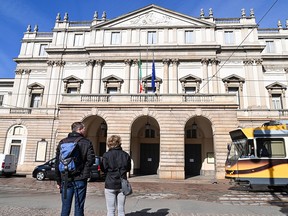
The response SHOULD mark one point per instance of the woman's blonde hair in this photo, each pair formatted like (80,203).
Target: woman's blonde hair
(114,141)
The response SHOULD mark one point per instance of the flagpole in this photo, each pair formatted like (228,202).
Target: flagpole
(153,78)
(140,75)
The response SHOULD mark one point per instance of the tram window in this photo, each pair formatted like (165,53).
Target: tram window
(271,148)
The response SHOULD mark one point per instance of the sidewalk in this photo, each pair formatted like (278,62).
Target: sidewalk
(151,196)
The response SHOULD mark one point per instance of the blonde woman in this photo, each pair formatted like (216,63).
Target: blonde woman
(115,162)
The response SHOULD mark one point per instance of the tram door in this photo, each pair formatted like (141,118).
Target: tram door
(193,161)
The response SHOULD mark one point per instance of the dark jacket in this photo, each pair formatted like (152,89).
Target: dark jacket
(87,153)
(113,161)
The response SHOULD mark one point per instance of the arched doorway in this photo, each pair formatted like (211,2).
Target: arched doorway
(96,129)
(145,146)
(199,150)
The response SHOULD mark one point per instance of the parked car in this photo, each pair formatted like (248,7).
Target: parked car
(47,170)
(8,164)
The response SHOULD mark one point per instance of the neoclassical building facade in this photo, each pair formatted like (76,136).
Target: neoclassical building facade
(171,85)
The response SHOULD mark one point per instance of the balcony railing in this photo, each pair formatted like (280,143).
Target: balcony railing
(227,20)
(227,99)
(20,111)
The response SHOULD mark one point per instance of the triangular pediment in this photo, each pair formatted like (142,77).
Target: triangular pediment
(276,85)
(35,86)
(233,78)
(112,78)
(190,78)
(72,79)
(149,78)
(154,16)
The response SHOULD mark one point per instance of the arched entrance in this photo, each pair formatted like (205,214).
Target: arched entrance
(199,150)
(145,146)
(96,129)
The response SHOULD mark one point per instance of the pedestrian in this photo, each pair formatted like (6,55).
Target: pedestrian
(77,182)
(115,162)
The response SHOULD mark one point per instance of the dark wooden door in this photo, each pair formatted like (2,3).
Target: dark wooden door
(149,158)
(193,160)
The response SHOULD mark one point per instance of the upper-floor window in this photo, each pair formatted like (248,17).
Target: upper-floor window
(191,133)
(152,37)
(190,84)
(190,90)
(277,101)
(148,86)
(112,84)
(270,47)
(72,85)
(1,100)
(189,37)
(276,92)
(36,91)
(42,51)
(72,90)
(78,40)
(115,38)
(234,85)
(112,90)
(35,100)
(234,90)
(229,37)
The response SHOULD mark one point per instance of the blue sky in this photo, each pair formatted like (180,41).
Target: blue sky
(16,15)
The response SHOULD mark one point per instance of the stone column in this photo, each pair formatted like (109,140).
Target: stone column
(24,87)
(204,63)
(174,77)
(96,83)
(16,89)
(46,95)
(89,76)
(215,78)
(134,84)
(166,63)
(127,76)
(261,87)
(248,66)
(60,65)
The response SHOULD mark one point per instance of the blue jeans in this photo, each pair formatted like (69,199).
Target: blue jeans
(115,198)
(78,188)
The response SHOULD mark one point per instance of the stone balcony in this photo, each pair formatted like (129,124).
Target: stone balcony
(197,100)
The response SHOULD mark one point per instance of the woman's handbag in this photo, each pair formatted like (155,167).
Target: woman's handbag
(126,186)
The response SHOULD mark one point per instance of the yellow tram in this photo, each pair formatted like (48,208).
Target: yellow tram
(259,156)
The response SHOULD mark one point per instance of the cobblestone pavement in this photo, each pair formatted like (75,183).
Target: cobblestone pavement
(220,192)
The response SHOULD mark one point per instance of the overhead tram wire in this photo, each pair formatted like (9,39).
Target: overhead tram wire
(239,45)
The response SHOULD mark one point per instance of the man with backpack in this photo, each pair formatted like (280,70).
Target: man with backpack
(74,157)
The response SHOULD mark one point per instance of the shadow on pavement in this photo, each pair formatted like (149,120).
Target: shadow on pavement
(160,212)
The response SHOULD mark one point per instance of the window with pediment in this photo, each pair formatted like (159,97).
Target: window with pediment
(36,91)
(190,84)
(72,85)
(234,85)
(147,85)
(276,92)
(112,84)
